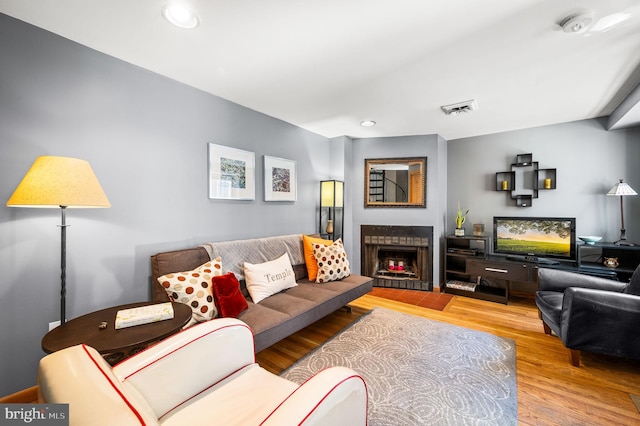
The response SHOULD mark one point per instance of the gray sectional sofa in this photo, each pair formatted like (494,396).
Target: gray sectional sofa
(277,316)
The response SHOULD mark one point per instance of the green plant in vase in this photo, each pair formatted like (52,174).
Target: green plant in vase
(460,219)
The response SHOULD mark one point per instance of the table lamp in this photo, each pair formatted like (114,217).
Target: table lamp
(622,189)
(60,182)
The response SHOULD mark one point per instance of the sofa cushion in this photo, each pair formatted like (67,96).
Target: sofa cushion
(268,278)
(332,262)
(248,397)
(260,318)
(193,288)
(309,243)
(287,304)
(314,292)
(227,295)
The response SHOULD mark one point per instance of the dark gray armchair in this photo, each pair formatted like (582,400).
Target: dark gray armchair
(590,313)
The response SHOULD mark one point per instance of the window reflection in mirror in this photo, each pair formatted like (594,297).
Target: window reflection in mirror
(395,182)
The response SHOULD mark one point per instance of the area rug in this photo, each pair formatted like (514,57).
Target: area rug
(422,372)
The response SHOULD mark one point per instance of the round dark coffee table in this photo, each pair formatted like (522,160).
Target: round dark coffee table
(114,345)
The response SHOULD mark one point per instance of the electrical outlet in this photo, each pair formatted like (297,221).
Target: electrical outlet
(53,325)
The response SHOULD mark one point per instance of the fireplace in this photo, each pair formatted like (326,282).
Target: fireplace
(398,256)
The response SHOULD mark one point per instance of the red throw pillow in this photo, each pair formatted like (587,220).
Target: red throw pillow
(227,295)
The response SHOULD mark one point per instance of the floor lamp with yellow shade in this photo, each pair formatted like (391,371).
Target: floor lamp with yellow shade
(60,182)
(332,198)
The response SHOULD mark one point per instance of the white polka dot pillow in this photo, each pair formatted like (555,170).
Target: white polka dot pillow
(332,262)
(193,288)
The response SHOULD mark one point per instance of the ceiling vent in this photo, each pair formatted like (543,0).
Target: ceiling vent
(460,107)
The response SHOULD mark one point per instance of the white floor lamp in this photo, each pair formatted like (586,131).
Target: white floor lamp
(60,182)
(622,189)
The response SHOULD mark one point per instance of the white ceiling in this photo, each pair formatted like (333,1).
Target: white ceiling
(326,65)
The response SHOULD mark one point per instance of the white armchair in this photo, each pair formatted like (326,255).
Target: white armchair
(205,375)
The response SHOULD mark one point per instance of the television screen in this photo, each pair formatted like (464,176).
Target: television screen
(545,237)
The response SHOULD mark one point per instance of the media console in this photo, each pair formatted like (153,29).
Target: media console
(470,269)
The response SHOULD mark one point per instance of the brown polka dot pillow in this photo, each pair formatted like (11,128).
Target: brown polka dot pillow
(332,262)
(309,259)
(193,288)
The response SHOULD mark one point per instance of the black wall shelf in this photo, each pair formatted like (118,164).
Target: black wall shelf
(525,180)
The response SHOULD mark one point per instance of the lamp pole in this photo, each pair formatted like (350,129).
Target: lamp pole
(623,232)
(63,266)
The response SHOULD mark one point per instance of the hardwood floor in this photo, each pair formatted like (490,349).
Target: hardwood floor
(550,390)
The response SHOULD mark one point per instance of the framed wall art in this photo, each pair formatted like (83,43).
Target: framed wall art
(231,173)
(279,179)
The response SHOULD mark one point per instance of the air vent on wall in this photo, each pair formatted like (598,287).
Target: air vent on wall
(460,107)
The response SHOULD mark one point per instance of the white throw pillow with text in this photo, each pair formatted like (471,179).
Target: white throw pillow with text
(269,278)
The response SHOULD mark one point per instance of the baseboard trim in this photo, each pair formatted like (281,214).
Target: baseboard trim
(25,396)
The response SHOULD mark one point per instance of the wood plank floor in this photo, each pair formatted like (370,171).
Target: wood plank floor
(550,390)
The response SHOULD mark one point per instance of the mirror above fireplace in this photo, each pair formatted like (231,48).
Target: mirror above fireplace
(395,182)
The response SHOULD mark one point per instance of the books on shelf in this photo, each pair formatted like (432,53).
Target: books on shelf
(461,285)
(144,315)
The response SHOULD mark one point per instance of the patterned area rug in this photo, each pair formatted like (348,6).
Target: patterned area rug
(423,372)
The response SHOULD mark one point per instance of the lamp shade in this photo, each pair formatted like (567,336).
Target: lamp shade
(622,189)
(331,193)
(59,181)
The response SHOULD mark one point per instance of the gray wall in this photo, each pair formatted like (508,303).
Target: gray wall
(146,139)
(431,146)
(589,161)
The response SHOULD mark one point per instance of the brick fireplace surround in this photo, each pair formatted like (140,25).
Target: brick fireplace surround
(385,247)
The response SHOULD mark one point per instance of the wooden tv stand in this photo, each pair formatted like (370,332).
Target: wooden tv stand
(489,277)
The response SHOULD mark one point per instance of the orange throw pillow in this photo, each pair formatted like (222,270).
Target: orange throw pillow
(309,258)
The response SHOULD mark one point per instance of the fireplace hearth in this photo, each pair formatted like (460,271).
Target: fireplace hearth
(398,256)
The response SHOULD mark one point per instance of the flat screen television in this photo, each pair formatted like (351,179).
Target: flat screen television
(535,238)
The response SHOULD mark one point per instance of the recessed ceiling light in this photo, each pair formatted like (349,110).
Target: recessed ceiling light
(367,123)
(180,16)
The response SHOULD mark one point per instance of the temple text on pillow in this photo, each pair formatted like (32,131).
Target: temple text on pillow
(277,277)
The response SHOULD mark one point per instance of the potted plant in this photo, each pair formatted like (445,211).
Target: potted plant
(460,218)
